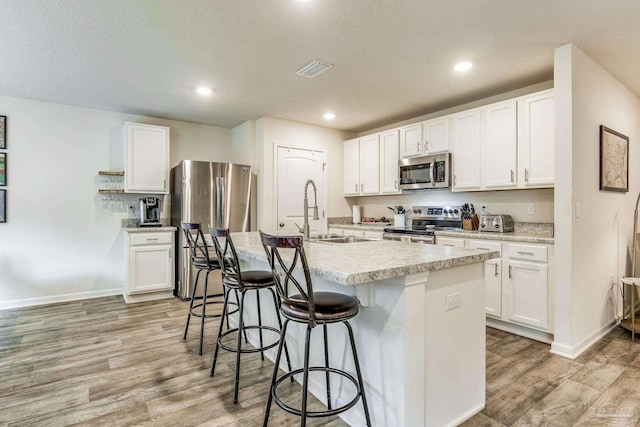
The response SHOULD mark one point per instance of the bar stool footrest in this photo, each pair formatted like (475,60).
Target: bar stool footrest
(253,349)
(198,313)
(317,414)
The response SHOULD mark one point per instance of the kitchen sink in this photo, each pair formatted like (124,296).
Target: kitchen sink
(345,239)
(324,236)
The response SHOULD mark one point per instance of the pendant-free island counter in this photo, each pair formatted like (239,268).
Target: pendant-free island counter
(420,332)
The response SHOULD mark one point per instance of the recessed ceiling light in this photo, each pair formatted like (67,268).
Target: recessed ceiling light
(204,90)
(463,66)
(329,116)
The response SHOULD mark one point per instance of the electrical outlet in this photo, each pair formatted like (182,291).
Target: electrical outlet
(531,209)
(454,301)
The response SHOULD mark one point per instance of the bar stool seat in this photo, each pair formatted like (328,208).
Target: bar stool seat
(251,278)
(313,309)
(330,307)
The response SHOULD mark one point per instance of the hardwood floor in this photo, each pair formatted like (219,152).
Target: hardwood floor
(103,362)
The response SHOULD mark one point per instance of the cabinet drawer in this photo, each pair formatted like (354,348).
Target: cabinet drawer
(527,252)
(486,245)
(151,238)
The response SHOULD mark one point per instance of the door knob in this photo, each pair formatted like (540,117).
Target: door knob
(281,224)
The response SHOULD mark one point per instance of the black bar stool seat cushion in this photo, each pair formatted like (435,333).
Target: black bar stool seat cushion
(330,307)
(250,279)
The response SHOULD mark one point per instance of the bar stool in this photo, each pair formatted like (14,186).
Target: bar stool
(200,260)
(313,309)
(241,282)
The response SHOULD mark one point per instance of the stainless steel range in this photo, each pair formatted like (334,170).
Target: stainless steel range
(425,220)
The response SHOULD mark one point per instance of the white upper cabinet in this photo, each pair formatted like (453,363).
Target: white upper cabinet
(411,140)
(389,157)
(369,165)
(499,142)
(351,162)
(146,158)
(536,140)
(466,150)
(436,135)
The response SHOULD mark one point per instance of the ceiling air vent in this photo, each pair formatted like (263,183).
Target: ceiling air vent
(313,69)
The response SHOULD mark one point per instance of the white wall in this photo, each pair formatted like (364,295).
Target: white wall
(62,240)
(593,247)
(270,131)
(513,202)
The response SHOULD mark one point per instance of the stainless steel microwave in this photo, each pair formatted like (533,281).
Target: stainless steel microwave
(425,172)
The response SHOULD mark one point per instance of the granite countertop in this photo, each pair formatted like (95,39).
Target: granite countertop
(149,229)
(363,262)
(508,237)
(364,226)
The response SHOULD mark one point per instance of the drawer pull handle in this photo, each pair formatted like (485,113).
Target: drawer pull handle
(496,269)
(152,239)
(484,249)
(525,253)
(510,271)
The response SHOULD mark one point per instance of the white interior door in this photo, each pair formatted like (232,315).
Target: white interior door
(294,167)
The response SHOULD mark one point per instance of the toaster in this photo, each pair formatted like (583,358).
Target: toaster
(496,223)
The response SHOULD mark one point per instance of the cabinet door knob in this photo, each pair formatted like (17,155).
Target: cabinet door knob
(281,224)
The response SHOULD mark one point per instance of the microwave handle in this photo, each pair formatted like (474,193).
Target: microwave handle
(432,172)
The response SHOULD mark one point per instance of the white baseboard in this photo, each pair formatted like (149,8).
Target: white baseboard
(469,414)
(573,351)
(523,331)
(29,302)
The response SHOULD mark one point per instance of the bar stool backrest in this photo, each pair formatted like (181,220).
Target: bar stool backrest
(272,246)
(198,247)
(227,256)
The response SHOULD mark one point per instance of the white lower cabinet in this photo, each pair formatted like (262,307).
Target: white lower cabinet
(527,293)
(493,287)
(528,285)
(518,288)
(149,266)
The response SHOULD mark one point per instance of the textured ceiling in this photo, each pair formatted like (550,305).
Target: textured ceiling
(392,59)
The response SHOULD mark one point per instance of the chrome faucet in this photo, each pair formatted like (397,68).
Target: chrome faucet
(305,225)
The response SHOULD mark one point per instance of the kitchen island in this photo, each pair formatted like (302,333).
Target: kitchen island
(420,333)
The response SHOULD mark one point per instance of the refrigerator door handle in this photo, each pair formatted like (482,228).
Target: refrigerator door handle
(223,202)
(216,221)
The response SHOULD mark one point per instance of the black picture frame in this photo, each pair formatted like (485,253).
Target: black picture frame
(3,206)
(3,132)
(3,169)
(614,160)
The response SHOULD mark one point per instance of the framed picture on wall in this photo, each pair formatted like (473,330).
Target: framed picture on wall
(3,206)
(614,160)
(3,132)
(3,168)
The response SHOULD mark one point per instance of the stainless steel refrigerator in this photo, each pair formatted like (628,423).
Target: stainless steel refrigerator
(218,195)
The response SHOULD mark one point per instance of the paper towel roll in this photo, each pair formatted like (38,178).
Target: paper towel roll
(356,214)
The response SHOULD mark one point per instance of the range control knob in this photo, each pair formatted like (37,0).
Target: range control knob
(483,225)
(455,211)
(419,211)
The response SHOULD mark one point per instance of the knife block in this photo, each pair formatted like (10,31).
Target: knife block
(471,224)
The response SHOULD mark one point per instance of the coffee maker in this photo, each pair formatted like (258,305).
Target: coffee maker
(150,212)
